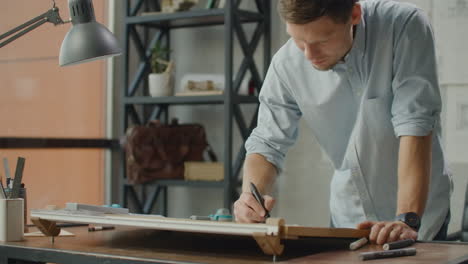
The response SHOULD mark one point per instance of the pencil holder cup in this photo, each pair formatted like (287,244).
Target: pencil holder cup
(11,219)
(22,194)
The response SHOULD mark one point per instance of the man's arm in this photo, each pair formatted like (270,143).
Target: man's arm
(259,171)
(414,170)
(267,145)
(415,112)
(263,174)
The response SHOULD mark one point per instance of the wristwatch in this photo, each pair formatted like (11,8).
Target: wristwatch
(411,219)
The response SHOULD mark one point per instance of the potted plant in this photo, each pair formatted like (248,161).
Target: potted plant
(160,80)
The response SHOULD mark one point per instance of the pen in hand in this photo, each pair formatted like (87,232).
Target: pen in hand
(259,198)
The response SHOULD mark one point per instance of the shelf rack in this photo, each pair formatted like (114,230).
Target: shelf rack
(141,16)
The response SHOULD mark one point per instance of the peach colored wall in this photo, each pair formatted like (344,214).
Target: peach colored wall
(40,99)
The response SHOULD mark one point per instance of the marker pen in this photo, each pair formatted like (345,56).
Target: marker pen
(388,253)
(398,244)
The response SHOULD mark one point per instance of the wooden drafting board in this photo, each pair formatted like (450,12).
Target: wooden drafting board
(268,236)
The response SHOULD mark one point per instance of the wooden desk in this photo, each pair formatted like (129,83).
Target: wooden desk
(129,245)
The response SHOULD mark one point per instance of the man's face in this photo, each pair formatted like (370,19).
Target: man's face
(324,41)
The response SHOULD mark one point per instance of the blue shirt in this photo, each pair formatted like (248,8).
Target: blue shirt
(385,88)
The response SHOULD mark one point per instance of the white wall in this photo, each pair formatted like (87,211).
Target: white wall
(302,197)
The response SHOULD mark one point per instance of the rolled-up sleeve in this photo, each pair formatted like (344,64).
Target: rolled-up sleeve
(277,125)
(416,104)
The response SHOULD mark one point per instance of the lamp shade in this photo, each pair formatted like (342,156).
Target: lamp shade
(87,40)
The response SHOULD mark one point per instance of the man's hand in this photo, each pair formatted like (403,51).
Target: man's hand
(384,232)
(248,210)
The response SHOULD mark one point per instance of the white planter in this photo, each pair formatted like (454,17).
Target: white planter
(160,84)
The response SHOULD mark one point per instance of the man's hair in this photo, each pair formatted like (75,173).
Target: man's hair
(305,11)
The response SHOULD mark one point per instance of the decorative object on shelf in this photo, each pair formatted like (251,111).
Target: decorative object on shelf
(158,151)
(205,84)
(160,81)
(171,6)
(203,171)
(86,41)
(200,86)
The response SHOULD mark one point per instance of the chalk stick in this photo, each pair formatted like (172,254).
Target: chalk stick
(358,243)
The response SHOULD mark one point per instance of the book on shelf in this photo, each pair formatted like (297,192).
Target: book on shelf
(199,93)
(151,13)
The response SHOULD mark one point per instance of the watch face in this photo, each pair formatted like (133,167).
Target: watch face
(411,219)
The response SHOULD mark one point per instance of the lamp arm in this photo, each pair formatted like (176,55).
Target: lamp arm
(51,16)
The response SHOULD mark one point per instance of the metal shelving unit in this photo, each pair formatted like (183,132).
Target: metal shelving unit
(139,22)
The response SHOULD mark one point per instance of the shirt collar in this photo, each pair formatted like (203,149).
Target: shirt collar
(360,38)
(359,42)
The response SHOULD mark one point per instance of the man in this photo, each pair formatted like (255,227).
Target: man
(363,75)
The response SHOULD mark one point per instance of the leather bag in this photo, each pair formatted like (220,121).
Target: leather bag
(158,151)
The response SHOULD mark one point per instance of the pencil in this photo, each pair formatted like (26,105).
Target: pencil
(2,193)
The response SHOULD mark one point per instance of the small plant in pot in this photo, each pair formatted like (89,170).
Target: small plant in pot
(160,79)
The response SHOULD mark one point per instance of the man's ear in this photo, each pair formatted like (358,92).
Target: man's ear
(356,14)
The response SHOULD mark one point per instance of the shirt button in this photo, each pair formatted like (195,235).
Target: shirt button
(350,70)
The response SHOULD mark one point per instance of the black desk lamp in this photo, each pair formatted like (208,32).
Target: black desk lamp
(86,41)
